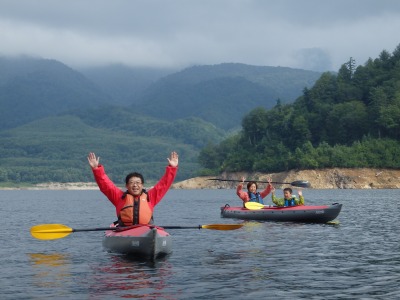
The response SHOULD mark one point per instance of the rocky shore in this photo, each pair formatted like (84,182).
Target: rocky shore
(336,178)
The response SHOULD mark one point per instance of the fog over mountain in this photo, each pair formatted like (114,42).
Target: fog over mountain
(312,35)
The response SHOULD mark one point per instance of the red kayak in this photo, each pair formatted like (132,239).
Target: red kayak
(300,213)
(142,241)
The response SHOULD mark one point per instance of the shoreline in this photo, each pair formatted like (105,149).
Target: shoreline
(56,186)
(335,178)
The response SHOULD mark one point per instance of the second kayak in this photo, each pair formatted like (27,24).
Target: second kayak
(300,213)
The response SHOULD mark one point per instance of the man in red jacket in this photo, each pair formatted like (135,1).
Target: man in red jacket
(135,205)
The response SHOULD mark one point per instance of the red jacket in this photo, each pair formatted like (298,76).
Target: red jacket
(114,194)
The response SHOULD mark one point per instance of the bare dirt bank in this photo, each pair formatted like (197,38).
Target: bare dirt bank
(320,179)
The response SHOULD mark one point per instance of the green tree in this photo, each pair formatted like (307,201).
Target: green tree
(255,125)
(346,122)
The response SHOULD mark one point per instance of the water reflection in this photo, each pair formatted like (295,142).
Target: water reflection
(130,278)
(50,270)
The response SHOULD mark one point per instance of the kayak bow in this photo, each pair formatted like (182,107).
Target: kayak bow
(144,241)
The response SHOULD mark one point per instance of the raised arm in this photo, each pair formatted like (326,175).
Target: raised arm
(267,189)
(241,194)
(277,201)
(301,198)
(157,192)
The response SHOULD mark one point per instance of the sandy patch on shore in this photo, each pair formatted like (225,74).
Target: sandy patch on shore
(57,186)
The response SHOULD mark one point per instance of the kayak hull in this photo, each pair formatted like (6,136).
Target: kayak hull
(301,213)
(142,241)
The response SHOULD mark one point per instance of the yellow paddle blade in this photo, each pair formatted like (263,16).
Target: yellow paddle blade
(334,222)
(50,231)
(222,226)
(253,205)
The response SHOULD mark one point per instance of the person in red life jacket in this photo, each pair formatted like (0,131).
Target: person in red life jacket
(135,205)
(252,195)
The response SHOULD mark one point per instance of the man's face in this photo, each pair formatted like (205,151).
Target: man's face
(134,186)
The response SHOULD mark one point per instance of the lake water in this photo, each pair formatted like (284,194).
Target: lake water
(357,259)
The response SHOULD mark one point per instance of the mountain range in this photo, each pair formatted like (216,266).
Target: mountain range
(169,109)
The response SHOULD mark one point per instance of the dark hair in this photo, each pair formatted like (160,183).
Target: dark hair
(250,183)
(288,189)
(133,174)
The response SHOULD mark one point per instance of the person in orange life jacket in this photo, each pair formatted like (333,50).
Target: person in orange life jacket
(288,199)
(135,205)
(252,195)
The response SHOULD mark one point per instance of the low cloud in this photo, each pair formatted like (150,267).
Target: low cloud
(312,34)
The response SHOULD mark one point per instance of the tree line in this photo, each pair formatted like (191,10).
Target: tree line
(347,119)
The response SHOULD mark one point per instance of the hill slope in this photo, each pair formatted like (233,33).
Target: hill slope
(35,88)
(223,94)
(124,84)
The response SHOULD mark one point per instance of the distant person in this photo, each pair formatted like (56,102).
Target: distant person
(252,195)
(135,205)
(288,199)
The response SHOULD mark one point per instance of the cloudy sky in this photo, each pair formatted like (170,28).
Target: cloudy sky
(310,34)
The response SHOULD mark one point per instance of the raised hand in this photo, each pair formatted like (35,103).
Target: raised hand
(173,159)
(93,161)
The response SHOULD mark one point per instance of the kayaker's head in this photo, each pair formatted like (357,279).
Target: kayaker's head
(134,183)
(287,193)
(252,187)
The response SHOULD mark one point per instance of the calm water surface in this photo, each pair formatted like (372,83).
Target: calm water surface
(358,259)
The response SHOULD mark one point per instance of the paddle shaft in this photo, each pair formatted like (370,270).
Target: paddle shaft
(258,181)
(130,227)
(212,226)
(181,227)
(127,228)
(58,231)
(298,183)
(98,229)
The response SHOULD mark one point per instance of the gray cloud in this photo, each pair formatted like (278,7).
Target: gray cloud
(310,34)
(314,59)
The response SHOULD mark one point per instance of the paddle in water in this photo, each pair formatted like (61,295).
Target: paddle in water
(59,231)
(297,183)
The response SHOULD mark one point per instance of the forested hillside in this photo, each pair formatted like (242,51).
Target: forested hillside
(55,149)
(349,119)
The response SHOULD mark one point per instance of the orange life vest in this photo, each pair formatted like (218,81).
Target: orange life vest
(135,211)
